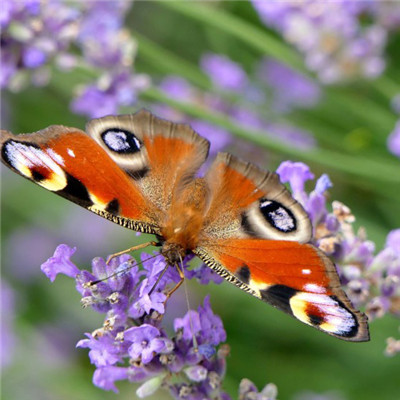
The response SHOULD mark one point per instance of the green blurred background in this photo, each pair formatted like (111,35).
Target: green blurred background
(353,120)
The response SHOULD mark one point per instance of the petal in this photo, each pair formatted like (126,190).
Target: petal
(60,263)
(105,377)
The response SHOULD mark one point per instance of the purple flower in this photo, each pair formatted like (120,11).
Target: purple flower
(7,336)
(60,263)
(146,342)
(104,349)
(290,88)
(393,141)
(219,138)
(297,174)
(94,102)
(248,391)
(108,94)
(393,240)
(335,41)
(105,377)
(223,72)
(177,88)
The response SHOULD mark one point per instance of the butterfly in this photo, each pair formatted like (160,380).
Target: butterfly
(140,172)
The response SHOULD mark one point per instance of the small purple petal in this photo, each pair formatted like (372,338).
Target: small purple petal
(104,350)
(60,263)
(105,377)
(189,324)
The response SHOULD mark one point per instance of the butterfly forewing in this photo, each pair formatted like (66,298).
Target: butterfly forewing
(69,163)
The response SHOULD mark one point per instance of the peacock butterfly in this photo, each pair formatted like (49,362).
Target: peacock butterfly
(139,171)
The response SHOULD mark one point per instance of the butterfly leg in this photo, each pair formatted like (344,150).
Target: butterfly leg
(138,247)
(176,287)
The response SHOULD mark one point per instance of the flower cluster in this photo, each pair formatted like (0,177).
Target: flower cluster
(38,34)
(370,278)
(132,344)
(335,38)
(238,98)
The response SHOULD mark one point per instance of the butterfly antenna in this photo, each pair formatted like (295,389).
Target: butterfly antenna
(159,279)
(188,306)
(132,263)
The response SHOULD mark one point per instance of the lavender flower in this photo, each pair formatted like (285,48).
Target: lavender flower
(290,88)
(393,141)
(336,42)
(8,340)
(132,328)
(223,72)
(248,391)
(32,34)
(39,34)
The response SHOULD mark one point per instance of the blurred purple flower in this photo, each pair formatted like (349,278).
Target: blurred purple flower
(109,94)
(7,336)
(248,391)
(290,88)
(393,141)
(224,73)
(219,138)
(69,34)
(30,42)
(334,38)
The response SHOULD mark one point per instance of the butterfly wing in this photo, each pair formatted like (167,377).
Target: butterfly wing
(124,168)
(249,207)
(161,156)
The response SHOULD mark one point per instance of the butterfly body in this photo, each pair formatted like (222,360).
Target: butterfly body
(140,172)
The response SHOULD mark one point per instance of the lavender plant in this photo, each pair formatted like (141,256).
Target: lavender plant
(190,362)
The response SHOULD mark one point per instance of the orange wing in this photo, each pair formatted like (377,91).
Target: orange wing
(295,278)
(125,168)
(255,235)
(69,163)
